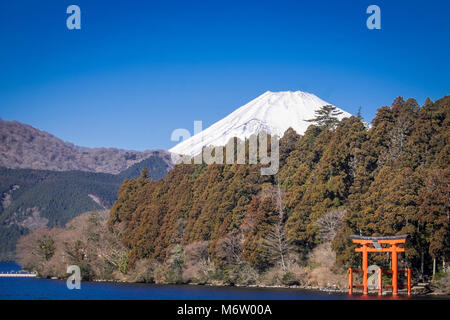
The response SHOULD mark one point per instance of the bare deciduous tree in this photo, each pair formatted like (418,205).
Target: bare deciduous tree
(397,141)
(229,248)
(330,223)
(276,243)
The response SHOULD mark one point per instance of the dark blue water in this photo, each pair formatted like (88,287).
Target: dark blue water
(44,289)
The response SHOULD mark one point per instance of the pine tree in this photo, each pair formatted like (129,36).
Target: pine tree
(326,117)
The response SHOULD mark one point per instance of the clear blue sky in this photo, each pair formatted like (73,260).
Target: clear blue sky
(139,69)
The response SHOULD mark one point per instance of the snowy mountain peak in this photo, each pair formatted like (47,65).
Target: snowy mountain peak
(273,112)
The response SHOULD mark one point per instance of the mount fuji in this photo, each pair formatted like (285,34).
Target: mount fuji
(273,112)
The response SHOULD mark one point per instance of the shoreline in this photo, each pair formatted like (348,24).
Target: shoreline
(416,291)
(357,293)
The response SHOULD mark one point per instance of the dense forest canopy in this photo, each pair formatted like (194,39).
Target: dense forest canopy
(392,178)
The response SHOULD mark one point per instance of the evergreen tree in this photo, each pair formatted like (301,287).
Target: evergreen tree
(144,173)
(434,213)
(326,117)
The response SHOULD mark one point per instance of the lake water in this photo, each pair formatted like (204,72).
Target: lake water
(45,289)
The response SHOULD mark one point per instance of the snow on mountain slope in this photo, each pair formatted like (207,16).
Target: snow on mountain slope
(273,112)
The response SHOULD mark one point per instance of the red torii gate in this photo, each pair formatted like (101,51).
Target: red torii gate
(377,243)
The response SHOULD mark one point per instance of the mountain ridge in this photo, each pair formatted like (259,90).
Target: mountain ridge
(25,147)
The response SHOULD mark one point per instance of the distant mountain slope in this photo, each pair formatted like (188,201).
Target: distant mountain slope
(22,146)
(273,112)
(157,165)
(32,199)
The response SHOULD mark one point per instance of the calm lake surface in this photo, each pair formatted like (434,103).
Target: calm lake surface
(44,289)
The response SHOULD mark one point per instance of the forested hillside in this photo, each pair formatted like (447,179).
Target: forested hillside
(38,198)
(157,166)
(335,180)
(32,199)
